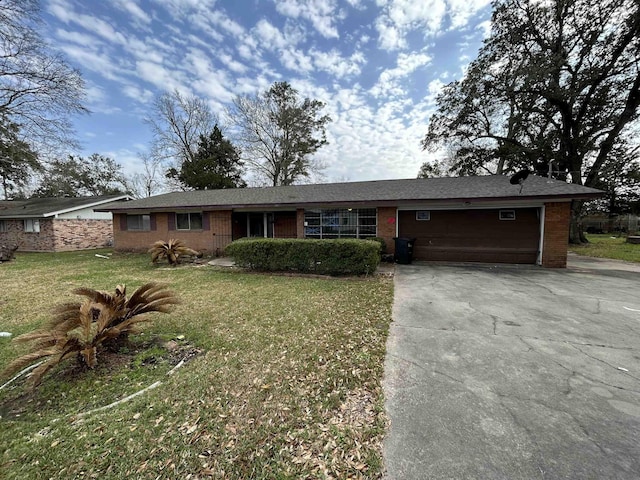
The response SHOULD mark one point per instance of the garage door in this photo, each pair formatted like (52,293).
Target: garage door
(495,236)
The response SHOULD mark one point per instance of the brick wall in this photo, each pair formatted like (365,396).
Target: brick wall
(12,234)
(80,234)
(137,241)
(215,235)
(387,226)
(556,234)
(29,242)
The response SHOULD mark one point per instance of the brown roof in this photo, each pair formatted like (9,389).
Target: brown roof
(485,188)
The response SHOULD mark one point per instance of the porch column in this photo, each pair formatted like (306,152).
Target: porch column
(300,223)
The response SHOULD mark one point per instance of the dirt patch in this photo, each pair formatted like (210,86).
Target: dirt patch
(132,355)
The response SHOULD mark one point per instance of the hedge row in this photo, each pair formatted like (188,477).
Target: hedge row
(326,257)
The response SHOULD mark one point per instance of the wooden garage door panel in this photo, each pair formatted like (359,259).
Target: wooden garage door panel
(473,235)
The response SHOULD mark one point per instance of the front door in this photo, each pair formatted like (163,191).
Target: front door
(260,225)
(255,225)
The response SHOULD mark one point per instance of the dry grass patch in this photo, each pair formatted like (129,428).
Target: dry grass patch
(288,385)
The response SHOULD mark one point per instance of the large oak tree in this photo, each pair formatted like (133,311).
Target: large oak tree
(18,162)
(556,80)
(79,176)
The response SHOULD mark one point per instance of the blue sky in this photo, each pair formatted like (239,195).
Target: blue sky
(377,65)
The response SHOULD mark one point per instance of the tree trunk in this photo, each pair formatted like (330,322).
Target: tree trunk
(576,232)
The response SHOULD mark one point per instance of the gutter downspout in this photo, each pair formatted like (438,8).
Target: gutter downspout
(541,242)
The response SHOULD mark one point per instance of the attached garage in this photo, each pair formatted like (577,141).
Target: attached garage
(505,235)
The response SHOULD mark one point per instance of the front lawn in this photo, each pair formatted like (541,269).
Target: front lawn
(608,246)
(282,378)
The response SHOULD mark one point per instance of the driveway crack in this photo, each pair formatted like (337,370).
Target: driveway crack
(583,375)
(602,361)
(415,364)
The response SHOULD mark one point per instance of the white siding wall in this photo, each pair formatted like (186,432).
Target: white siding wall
(86,214)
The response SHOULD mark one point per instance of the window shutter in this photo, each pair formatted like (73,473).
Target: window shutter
(152,222)
(171,220)
(206,222)
(123,222)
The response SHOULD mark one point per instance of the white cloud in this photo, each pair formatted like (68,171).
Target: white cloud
(231,63)
(132,8)
(429,17)
(137,93)
(320,13)
(461,11)
(296,60)
(98,100)
(388,81)
(88,41)
(182,8)
(94,61)
(485,28)
(337,65)
(156,74)
(271,36)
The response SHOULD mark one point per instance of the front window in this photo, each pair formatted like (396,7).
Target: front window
(340,223)
(139,222)
(31,225)
(189,221)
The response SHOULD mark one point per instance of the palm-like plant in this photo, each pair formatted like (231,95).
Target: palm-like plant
(78,329)
(171,250)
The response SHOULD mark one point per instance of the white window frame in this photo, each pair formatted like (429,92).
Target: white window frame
(31,225)
(321,214)
(423,215)
(190,221)
(507,215)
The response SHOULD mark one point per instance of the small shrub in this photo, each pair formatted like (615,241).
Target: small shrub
(171,251)
(79,329)
(382,242)
(326,257)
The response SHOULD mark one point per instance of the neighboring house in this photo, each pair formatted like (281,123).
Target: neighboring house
(57,224)
(471,219)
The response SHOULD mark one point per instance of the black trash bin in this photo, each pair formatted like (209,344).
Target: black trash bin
(404,250)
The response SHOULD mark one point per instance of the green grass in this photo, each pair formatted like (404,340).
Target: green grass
(287,384)
(608,246)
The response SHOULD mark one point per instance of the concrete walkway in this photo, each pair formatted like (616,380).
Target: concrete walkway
(514,372)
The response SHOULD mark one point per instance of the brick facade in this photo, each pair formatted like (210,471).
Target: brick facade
(218,226)
(387,226)
(58,235)
(556,234)
(81,234)
(212,239)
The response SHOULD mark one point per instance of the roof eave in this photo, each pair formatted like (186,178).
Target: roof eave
(372,202)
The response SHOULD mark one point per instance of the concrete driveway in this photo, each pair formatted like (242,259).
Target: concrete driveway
(514,372)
